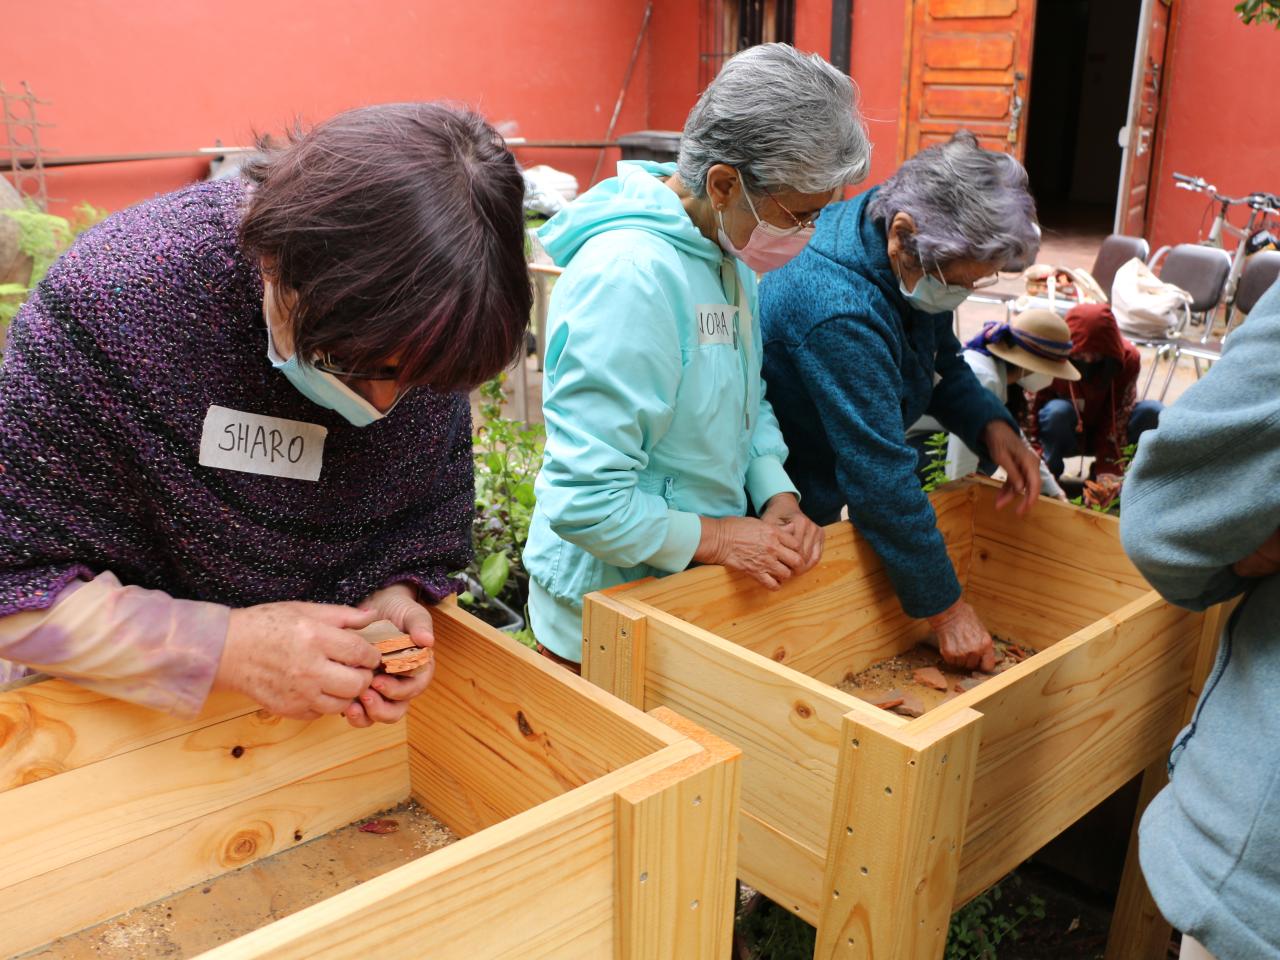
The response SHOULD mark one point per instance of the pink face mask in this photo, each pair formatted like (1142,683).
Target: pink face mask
(768,247)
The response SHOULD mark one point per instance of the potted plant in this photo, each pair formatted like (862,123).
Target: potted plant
(508,454)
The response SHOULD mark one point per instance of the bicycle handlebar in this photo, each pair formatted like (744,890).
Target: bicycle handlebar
(1266,202)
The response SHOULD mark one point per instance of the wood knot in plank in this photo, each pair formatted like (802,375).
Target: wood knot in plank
(526,730)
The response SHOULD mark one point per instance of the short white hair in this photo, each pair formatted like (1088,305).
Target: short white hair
(782,119)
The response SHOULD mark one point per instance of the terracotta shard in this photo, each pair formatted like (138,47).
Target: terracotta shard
(912,706)
(380,826)
(968,683)
(885,699)
(407,661)
(930,677)
(392,644)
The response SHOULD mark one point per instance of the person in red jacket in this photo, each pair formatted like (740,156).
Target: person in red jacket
(1099,414)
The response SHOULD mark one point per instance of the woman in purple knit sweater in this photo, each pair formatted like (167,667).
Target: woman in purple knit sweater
(234,426)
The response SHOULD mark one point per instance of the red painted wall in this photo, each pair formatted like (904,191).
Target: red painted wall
(1222,119)
(154,75)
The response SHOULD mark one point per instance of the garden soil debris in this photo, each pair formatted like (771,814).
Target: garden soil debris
(201,917)
(916,681)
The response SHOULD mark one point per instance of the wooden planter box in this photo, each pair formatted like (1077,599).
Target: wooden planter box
(588,828)
(872,826)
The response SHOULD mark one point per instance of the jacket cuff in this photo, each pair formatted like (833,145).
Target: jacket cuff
(766,478)
(684,531)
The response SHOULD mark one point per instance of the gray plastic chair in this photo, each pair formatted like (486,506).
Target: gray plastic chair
(1260,272)
(1117,250)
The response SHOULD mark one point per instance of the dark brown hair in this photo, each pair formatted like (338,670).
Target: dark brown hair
(400,229)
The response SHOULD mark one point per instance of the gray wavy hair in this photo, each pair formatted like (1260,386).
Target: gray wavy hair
(781,118)
(967,204)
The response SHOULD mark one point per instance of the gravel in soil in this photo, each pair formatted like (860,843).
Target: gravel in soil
(908,683)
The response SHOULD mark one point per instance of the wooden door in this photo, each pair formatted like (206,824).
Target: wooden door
(1138,139)
(967,65)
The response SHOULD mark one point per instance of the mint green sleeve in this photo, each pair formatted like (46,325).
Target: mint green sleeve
(766,476)
(612,368)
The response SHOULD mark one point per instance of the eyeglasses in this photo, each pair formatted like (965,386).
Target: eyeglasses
(806,223)
(326,363)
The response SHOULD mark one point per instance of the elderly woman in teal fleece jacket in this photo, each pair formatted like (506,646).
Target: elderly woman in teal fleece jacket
(859,345)
(1201,520)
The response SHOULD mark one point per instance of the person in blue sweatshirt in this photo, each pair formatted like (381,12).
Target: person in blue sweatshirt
(858,346)
(659,436)
(1201,521)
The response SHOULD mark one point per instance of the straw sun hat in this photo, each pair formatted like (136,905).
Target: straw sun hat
(1036,340)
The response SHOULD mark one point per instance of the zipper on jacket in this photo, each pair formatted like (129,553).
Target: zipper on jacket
(668,489)
(740,346)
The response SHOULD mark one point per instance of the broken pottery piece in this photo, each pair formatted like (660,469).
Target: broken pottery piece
(968,683)
(912,705)
(930,677)
(407,661)
(394,644)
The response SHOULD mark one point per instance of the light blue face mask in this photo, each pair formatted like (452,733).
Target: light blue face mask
(322,389)
(933,296)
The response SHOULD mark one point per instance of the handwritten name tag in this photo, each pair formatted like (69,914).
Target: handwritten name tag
(272,446)
(715,322)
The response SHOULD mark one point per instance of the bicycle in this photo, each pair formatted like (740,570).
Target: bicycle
(1263,207)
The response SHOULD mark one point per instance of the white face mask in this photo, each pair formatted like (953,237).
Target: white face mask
(1035,382)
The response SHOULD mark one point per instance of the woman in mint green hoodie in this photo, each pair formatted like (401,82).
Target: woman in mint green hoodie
(659,437)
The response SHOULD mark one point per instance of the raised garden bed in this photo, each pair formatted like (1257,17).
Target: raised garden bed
(586,828)
(873,826)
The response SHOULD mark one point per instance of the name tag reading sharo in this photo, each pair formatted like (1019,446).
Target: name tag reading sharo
(271,446)
(715,323)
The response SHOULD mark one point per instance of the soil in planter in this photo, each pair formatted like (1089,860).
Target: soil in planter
(216,911)
(895,683)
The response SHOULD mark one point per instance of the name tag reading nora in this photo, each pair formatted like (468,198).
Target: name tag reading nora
(272,446)
(715,322)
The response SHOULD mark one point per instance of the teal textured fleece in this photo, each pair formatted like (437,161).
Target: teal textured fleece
(850,366)
(1204,492)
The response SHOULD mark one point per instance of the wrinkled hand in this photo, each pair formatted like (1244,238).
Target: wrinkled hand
(387,699)
(962,639)
(298,660)
(1021,465)
(768,552)
(784,511)
(1263,562)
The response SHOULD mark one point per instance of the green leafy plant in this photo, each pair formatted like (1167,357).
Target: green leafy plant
(979,928)
(508,454)
(1259,11)
(43,237)
(935,469)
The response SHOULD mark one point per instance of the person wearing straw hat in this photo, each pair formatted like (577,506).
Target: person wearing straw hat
(1097,414)
(1030,352)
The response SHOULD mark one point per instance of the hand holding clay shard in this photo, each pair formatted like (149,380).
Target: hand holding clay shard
(400,656)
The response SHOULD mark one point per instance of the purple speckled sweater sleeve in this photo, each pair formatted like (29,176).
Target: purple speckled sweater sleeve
(139,645)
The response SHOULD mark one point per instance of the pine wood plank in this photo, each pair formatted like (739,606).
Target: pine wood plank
(547,874)
(504,730)
(781,867)
(1083,540)
(54,726)
(64,900)
(1033,599)
(897,829)
(613,648)
(1138,930)
(1066,728)
(60,820)
(786,723)
(677,839)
